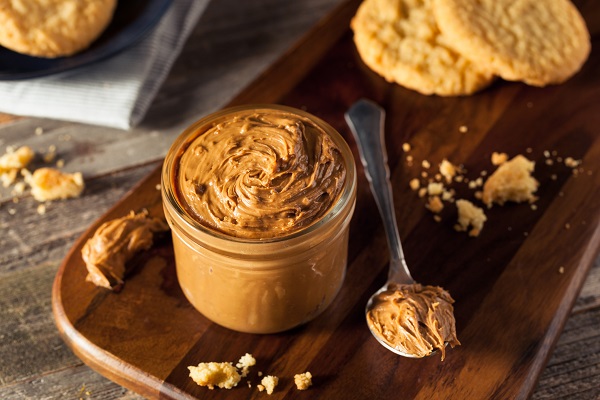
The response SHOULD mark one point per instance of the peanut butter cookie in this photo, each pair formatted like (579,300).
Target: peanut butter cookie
(400,40)
(537,42)
(52,28)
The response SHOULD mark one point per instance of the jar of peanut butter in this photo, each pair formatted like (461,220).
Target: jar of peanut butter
(259,199)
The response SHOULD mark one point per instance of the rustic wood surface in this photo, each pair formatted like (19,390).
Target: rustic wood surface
(242,39)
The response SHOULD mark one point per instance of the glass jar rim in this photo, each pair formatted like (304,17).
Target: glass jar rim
(172,204)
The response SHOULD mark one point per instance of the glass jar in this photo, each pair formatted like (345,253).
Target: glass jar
(259,285)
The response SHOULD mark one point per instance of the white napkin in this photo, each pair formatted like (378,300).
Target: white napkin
(115,92)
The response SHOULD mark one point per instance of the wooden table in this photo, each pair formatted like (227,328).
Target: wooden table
(241,39)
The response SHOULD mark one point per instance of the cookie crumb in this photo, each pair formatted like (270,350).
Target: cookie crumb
(463,129)
(448,170)
(211,374)
(406,147)
(561,270)
(435,188)
(268,383)
(447,195)
(571,162)
(435,204)
(303,381)
(41,209)
(50,154)
(499,158)
(469,215)
(15,159)
(425,164)
(18,189)
(512,181)
(8,177)
(414,184)
(244,364)
(51,184)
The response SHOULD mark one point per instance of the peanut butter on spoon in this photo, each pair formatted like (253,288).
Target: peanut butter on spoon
(406,317)
(414,319)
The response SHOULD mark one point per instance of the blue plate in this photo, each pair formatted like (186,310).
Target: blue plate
(133,20)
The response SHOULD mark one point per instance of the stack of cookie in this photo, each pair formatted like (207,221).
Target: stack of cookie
(457,47)
(53,28)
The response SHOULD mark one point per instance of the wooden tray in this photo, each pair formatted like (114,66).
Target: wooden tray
(514,285)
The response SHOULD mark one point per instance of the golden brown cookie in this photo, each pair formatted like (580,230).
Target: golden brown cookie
(538,42)
(400,40)
(52,28)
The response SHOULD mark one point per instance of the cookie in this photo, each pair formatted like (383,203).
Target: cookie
(52,28)
(400,40)
(538,42)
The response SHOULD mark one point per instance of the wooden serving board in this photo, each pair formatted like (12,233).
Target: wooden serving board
(514,285)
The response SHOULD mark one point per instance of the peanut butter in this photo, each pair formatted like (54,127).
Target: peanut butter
(260,174)
(259,199)
(414,319)
(114,243)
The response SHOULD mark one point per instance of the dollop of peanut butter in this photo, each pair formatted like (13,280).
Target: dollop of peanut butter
(414,319)
(260,174)
(114,243)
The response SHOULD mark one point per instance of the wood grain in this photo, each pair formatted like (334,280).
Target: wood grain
(512,301)
(241,38)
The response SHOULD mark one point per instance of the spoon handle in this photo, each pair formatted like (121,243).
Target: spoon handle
(365,119)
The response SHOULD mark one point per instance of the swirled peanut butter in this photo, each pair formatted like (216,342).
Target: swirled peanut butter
(414,319)
(260,174)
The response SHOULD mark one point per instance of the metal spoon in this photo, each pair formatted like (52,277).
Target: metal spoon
(365,120)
